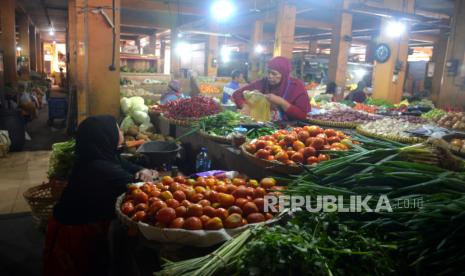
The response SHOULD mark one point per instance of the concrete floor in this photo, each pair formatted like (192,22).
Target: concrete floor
(18,172)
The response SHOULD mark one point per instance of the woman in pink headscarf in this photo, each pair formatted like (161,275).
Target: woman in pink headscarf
(286,94)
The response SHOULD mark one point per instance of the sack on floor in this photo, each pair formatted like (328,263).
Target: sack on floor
(5,143)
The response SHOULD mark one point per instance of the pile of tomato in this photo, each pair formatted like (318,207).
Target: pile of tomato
(210,203)
(299,145)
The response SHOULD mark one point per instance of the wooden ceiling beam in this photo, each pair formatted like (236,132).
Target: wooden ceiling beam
(313,24)
(163,6)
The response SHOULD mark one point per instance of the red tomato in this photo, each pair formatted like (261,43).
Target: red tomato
(209,211)
(140,197)
(221,213)
(179,196)
(193,223)
(181,211)
(177,223)
(214,223)
(235,209)
(138,216)
(127,208)
(173,203)
(166,215)
(141,207)
(249,208)
(194,210)
(255,217)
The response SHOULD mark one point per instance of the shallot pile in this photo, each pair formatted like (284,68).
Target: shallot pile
(349,116)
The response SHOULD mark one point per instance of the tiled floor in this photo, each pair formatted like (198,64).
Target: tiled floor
(18,172)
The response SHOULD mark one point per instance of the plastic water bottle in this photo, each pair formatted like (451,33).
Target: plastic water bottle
(202,162)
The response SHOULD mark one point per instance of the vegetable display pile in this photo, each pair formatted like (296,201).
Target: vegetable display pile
(334,106)
(379,102)
(427,230)
(136,114)
(390,126)
(365,107)
(195,107)
(454,120)
(305,244)
(61,160)
(203,203)
(255,133)
(299,145)
(412,119)
(208,89)
(434,114)
(223,123)
(346,116)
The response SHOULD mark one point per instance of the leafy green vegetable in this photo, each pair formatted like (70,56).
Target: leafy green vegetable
(61,160)
(379,102)
(314,244)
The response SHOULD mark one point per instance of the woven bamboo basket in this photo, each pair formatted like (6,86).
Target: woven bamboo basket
(42,198)
(216,138)
(271,165)
(456,150)
(332,124)
(400,139)
(181,122)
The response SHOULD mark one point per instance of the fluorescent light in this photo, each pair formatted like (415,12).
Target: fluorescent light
(18,48)
(226,54)
(222,9)
(395,28)
(360,73)
(183,48)
(259,49)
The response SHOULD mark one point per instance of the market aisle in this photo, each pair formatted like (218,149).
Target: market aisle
(18,172)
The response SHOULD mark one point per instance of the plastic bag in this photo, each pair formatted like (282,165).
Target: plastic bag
(258,104)
(126,124)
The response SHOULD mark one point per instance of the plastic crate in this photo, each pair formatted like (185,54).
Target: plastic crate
(57,108)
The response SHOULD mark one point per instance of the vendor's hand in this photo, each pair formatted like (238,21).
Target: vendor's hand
(146,175)
(277,100)
(245,110)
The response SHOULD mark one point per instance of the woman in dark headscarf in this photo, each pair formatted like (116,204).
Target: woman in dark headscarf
(286,94)
(76,242)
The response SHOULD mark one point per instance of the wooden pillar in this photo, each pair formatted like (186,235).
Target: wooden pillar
(175,61)
(254,57)
(212,50)
(312,47)
(24,40)
(340,46)
(8,39)
(39,53)
(152,44)
(161,60)
(32,48)
(388,81)
(370,51)
(97,85)
(438,59)
(71,46)
(285,27)
(452,93)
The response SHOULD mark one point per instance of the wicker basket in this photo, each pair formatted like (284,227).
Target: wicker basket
(216,138)
(456,150)
(400,139)
(271,165)
(180,122)
(332,124)
(42,198)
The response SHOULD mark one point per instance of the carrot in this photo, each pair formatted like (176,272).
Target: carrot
(131,144)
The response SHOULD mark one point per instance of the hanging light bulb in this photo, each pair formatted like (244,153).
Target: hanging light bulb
(51,32)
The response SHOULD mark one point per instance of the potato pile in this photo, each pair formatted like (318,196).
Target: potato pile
(455,120)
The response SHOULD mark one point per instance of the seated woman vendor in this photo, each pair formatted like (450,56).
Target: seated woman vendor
(287,95)
(76,241)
